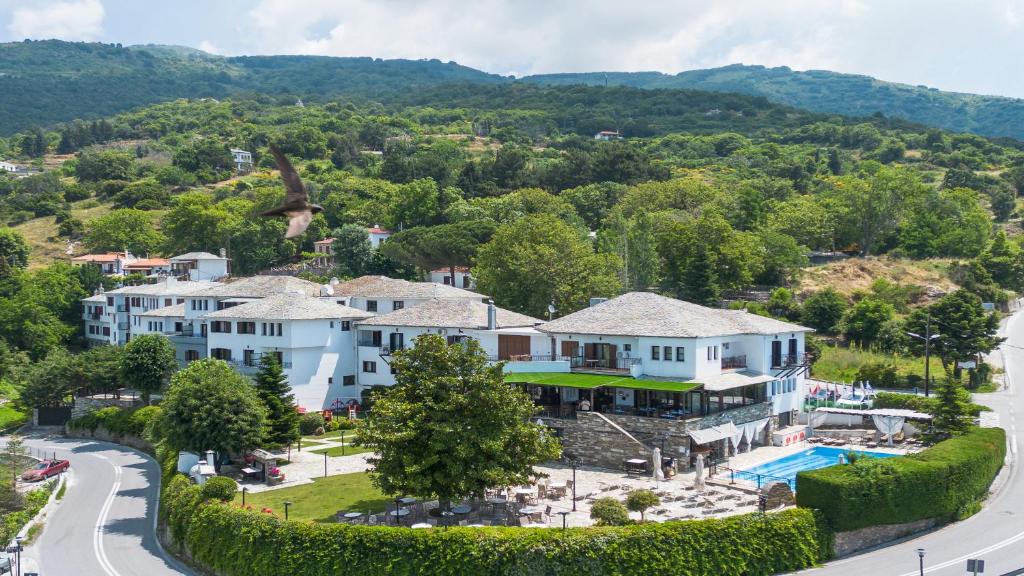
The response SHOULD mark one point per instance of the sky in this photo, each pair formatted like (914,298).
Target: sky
(963,45)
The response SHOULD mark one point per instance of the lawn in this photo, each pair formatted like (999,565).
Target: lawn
(331,434)
(322,499)
(841,364)
(334,451)
(10,417)
(590,381)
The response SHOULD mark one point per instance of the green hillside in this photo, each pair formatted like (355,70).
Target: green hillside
(831,92)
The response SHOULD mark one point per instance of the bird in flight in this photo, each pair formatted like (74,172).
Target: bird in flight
(296,201)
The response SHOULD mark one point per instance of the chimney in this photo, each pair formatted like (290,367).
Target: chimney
(210,458)
(492,315)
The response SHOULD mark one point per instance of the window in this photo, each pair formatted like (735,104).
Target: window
(191,355)
(346,325)
(279,330)
(332,324)
(330,379)
(370,367)
(716,352)
(177,327)
(248,358)
(627,347)
(263,326)
(680,354)
(712,352)
(106,331)
(655,352)
(110,301)
(246,327)
(394,370)
(397,305)
(349,380)
(220,327)
(371,305)
(221,353)
(667,355)
(709,352)
(168,301)
(396,341)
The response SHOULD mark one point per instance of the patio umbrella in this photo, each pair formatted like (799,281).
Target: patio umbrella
(698,482)
(659,474)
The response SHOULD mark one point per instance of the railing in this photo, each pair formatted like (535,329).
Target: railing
(367,343)
(122,308)
(759,479)
(122,325)
(528,358)
(95,315)
(789,360)
(617,364)
(734,362)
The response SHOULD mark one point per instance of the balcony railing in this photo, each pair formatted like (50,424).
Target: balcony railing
(789,360)
(734,362)
(122,325)
(95,315)
(604,364)
(122,308)
(528,358)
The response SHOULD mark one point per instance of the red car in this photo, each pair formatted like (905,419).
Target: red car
(45,469)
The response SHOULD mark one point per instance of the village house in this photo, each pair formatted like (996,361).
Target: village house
(197,266)
(242,159)
(462,278)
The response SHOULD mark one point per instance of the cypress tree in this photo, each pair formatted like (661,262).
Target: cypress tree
(273,389)
(700,284)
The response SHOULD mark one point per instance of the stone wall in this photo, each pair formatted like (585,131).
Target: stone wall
(847,543)
(105,435)
(90,403)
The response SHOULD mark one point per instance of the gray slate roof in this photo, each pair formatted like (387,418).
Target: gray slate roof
(262,287)
(172,288)
(450,313)
(167,311)
(289,307)
(196,256)
(648,314)
(384,287)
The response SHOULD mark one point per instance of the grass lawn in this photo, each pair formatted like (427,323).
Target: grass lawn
(322,499)
(842,364)
(325,435)
(9,417)
(336,451)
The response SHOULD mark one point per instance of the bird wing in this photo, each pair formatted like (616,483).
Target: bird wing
(298,222)
(296,192)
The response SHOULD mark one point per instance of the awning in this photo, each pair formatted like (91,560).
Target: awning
(892,412)
(591,381)
(730,380)
(713,434)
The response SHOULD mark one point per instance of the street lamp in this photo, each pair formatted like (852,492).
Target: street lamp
(245,490)
(574,462)
(17,552)
(564,513)
(287,503)
(447,518)
(398,507)
(920,556)
(928,337)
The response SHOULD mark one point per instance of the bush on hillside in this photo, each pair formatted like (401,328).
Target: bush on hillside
(310,423)
(220,488)
(945,482)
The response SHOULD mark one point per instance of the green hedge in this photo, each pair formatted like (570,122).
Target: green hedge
(918,403)
(946,481)
(230,541)
(118,421)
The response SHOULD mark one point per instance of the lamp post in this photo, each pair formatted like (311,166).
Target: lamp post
(928,337)
(325,464)
(447,518)
(398,506)
(564,513)
(17,553)
(245,490)
(342,442)
(920,557)
(574,462)
(287,503)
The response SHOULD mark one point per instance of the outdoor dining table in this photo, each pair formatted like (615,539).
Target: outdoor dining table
(352,515)
(248,471)
(462,509)
(530,510)
(400,512)
(635,465)
(407,500)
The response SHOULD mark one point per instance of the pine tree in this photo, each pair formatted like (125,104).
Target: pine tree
(273,389)
(700,283)
(952,410)
(643,257)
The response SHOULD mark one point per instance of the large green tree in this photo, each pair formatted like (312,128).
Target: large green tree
(14,252)
(823,310)
(273,389)
(965,329)
(539,259)
(451,427)
(209,406)
(148,362)
(863,323)
(443,246)
(126,229)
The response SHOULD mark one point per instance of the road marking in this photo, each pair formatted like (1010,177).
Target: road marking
(1013,444)
(97,537)
(975,554)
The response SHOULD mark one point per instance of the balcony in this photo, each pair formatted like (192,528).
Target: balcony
(623,366)
(533,363)
(734,362)
(94,315)
(122,308)
(788,361)
(122,325)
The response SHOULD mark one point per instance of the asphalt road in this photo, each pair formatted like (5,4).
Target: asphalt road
(105,525)
(996,534)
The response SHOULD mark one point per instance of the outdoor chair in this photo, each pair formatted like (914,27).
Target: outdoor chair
(547,513)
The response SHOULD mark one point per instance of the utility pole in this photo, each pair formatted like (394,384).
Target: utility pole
(927,353)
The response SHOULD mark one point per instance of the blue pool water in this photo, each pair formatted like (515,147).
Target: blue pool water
(810,459)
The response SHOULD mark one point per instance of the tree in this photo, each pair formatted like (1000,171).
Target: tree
(352,250)
(640,501)
(209,159)
(451,427)
(14,252)
(447,245)
(700,283)
(593,202)
(15,452)
(51,381)
(823,310)
(875,206)
(966,329)
(209,406)
(100,165)
(126,229)
(148,362)
(946,223)
(642,252)
(951,414)
(863,322)
(273,389)
(1001,261)
(539,259)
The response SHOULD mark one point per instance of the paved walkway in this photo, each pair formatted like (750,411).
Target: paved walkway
(307,465)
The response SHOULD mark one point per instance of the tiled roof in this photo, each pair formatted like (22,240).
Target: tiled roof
(458,270)
(147,263)
(289,307)
(171,288)
(196,256)
(378,230)
(262,287)
(648,314)
(108,257)
(325,241)
(167,311)
(384,287)
(450,313)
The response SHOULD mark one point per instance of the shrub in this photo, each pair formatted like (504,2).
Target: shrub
(608,511)
(232,541)
(641,500)
(310,423)
(220,488)
(879,375)
(945,482)
(917,403)
(118,421)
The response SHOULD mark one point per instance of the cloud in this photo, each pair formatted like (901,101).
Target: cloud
(72,20)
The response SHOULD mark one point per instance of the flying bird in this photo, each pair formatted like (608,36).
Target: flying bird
(296,201)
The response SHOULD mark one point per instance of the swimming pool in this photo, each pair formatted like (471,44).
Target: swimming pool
(786,468)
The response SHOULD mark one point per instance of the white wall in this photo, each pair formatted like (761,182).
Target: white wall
(209,270)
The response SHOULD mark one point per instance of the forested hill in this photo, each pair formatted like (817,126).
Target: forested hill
(831,92)
(51,81)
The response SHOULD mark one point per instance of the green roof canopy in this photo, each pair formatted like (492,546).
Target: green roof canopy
(591,381)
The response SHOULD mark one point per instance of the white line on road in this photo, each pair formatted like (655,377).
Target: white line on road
(97,537)
(1011,540)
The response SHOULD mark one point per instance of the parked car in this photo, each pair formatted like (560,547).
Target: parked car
(45,469)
